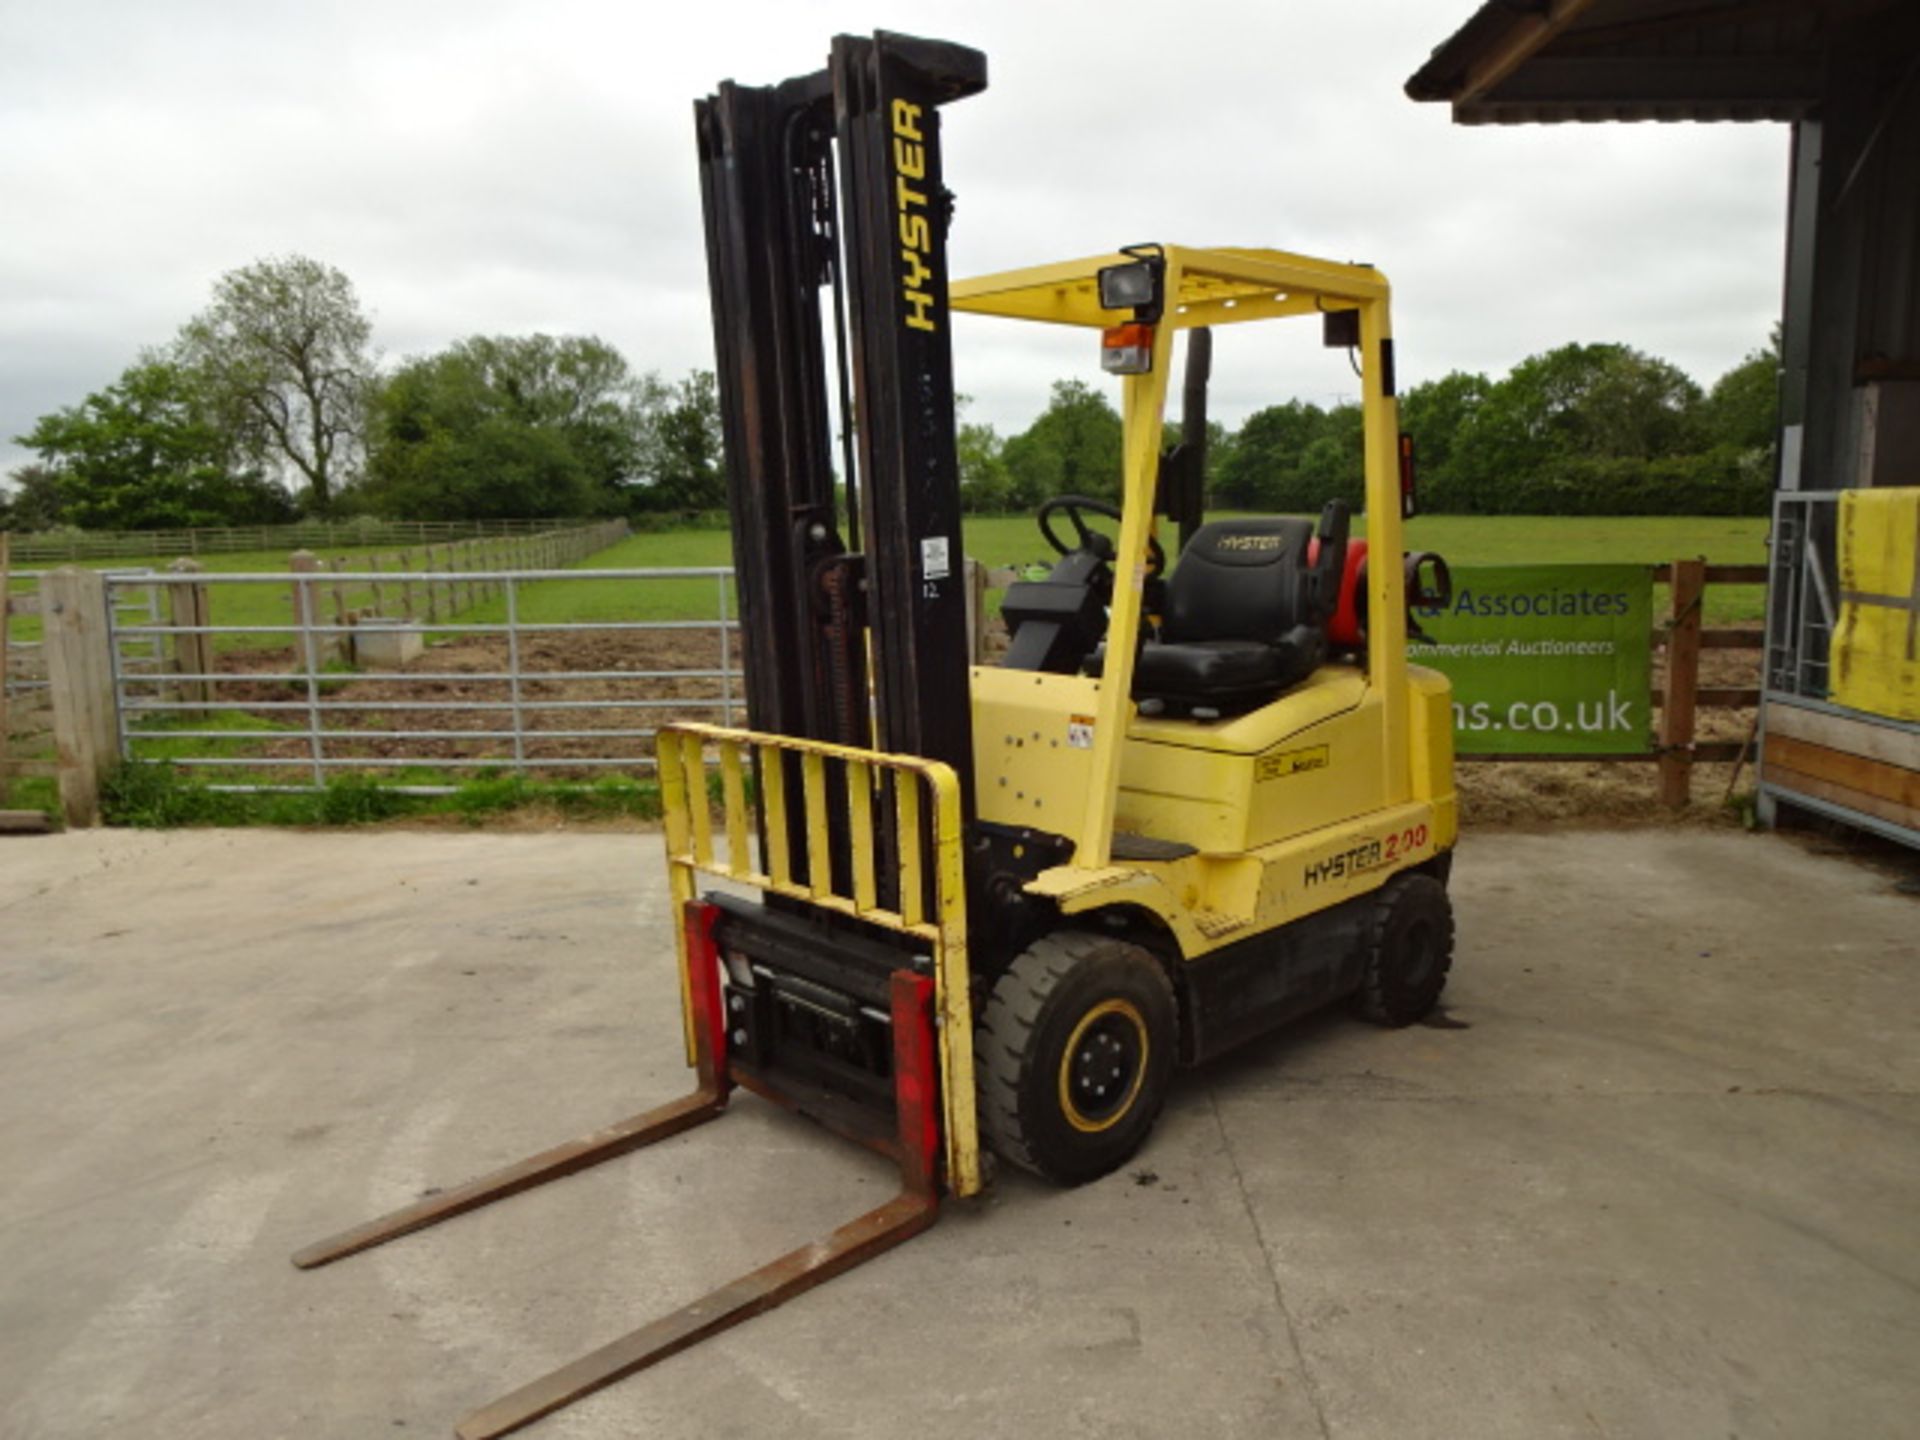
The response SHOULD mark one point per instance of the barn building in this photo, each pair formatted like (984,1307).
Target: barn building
(1840,694)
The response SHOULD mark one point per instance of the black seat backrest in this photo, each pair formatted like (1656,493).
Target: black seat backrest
(1241,580)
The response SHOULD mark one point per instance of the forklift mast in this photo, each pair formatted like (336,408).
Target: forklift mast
(832,182)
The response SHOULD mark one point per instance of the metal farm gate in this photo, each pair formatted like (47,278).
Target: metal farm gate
(527,672)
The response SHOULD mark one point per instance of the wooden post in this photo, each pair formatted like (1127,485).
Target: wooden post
(338,564)
(6,662)
(1683,679)
(976,578)
(74,612)
(433,601)
(312,650)
(192,649)
(406,586)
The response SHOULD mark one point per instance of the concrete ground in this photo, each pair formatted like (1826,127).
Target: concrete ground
(1656,1171)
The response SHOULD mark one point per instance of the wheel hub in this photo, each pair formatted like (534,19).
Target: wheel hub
(1103,1066)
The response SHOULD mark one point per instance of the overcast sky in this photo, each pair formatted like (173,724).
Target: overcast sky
(511,168)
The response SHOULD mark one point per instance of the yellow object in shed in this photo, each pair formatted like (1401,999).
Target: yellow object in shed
(1876,647)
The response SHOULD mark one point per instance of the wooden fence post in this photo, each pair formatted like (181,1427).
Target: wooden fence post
(6,663)
(976,585)
(1683,682)
(192,649)
(339,594)
(73,609)
(314,650)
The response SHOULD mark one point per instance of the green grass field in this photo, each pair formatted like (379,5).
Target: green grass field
(1001,540)
(232,604)
(995,540)
(1463,540)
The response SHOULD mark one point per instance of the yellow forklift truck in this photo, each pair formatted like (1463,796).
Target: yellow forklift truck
(995,907)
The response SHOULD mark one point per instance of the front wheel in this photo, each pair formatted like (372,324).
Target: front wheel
(1074,1054)
(1407,950)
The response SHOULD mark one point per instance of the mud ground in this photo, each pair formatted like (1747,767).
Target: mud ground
(665,667)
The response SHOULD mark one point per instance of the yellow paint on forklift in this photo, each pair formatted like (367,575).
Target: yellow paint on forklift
(1317,797)
(682,758)
(1207,901)
(1033,739)
(1320,796)
(916,233)
(1201,784)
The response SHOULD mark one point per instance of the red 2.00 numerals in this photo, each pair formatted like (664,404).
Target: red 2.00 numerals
(1406,841)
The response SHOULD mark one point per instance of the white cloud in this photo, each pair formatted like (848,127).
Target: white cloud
(501,168)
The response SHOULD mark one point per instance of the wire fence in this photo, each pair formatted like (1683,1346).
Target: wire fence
(70,545)
(396,587)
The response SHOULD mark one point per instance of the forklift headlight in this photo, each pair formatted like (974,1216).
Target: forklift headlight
(1135,286)
(1127,350)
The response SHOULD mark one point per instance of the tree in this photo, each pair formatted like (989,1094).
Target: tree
(146,453)
(283,352)
(579,387)
(986,485)
(683,456)
(1575,403)
(1333,467)
(1263,464)
(1743,408)
(507,426)
(1637,407)
(1073,448)
(1600,400)
(1435,413)
(35,502)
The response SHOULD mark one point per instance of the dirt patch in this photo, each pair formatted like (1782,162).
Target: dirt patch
(582,695)
(638,680)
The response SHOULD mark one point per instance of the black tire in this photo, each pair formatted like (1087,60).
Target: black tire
(1074,1054)
(1407,951)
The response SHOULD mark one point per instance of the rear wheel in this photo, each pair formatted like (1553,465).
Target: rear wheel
(1408,950)
(1074,1054)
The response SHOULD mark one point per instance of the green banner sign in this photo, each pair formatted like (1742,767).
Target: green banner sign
(1545,659)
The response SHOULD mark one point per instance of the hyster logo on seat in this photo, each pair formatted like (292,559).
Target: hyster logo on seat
(1250,542)
(916,230)
(1363,856)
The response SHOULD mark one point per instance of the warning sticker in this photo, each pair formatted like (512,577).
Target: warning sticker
(935,563)
(1080,731)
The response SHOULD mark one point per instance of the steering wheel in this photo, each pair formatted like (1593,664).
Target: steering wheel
(1076,508)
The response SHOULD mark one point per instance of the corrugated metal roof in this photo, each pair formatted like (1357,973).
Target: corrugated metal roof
(1545,61)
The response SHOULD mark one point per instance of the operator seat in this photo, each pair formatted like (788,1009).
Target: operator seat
(1244,620)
